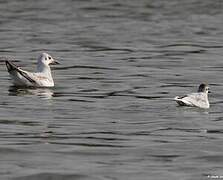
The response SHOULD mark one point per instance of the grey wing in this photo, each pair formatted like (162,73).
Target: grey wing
(188,100)
(13,68)
(194,99)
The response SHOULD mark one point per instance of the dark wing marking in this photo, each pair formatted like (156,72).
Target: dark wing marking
(182,97)
(12,67)
(25,75)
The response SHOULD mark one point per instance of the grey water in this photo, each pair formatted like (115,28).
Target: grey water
(111,115)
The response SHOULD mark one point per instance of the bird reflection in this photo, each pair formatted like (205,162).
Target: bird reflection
(43,93)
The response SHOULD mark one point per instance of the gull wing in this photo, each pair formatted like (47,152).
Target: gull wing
(12,68)
(193,99)
(183,100)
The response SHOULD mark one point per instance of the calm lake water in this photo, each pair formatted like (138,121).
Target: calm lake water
(111,114)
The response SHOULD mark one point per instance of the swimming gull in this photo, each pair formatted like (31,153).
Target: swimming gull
(198,99)
(41,78)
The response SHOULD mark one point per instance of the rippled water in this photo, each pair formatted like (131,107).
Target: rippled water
(110,116)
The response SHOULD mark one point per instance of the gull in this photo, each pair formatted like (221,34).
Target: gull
(41,78)
(198,99)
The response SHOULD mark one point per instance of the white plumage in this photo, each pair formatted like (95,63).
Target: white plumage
(198,99)
(41,78)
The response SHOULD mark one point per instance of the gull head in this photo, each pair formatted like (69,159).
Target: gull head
(46,59)
(204,88)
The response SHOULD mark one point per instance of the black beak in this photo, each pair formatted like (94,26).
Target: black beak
(55,63)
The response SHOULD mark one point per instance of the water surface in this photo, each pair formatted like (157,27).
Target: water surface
(110,115)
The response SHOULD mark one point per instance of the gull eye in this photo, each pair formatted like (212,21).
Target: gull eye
(49,57)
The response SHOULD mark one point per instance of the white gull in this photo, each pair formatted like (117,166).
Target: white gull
(198,99)
(41,78)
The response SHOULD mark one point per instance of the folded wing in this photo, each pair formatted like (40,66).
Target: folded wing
(20,76)
(193,99)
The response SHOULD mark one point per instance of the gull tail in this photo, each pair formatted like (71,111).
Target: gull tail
(180,101)
(177,98)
